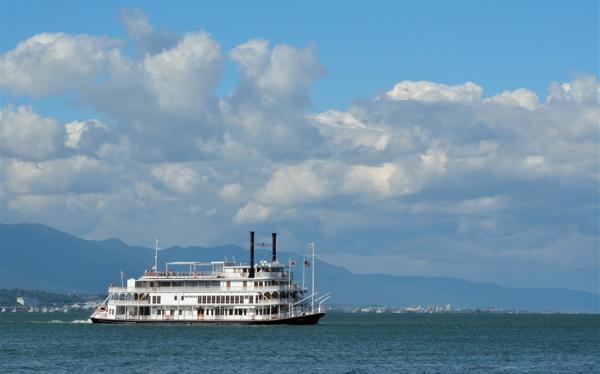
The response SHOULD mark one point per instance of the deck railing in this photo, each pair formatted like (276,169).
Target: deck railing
(213,275)
(182,304)
(284,288)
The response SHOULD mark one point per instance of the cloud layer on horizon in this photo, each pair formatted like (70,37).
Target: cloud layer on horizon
(425,178)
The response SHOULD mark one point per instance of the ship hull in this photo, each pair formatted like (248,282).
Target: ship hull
(308,319)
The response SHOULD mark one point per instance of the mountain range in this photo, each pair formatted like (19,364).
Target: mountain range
(39,257)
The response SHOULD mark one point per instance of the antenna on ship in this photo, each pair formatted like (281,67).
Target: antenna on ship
(311,248)
(156,254)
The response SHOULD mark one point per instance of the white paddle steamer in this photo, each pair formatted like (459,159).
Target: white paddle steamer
(215,292)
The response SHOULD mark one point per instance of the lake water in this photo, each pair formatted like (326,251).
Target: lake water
(340,343)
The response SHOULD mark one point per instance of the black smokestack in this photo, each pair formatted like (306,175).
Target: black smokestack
(251,271)
(274,246)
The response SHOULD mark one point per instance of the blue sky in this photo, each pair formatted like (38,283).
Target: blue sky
(423,138)
(365,46)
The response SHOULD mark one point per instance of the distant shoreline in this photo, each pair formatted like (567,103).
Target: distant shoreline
(59,302)
(435,309)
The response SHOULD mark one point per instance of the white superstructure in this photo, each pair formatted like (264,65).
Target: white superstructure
(217,291)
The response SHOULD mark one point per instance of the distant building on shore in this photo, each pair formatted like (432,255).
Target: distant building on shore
(27,301)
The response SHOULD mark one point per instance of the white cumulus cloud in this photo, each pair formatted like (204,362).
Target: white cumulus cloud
(435,174)
(27,135)
(433,92)
(53,62)
(520,97)
(252,212)
(231,191)
(86,136)
(180,178)
(184,76)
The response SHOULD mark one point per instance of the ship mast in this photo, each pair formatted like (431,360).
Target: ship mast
(311,248)
(156,254)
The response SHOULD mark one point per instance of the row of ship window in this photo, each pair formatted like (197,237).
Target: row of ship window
(223,299)
(218,312)
(215,299)
(226,312)
(211,312)
(206,283)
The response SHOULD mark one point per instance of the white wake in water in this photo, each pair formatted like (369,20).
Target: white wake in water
(59,321)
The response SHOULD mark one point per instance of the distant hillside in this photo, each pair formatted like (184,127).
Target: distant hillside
(8,297)
(40,257)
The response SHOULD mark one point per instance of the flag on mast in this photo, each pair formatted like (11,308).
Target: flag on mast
(310,247)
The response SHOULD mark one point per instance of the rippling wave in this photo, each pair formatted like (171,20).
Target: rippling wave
(347,343)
